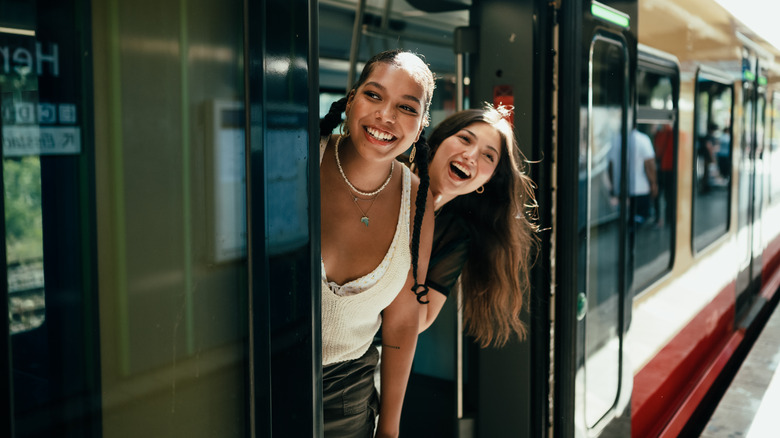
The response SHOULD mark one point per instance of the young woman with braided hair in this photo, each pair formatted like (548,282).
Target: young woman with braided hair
(373,264)
(484,230)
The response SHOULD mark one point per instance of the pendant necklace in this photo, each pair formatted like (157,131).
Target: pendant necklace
(364,217)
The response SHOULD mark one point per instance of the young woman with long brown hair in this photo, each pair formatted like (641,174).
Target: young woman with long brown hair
(484,228)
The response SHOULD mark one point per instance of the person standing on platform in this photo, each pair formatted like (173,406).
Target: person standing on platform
(642,183)
(664,152)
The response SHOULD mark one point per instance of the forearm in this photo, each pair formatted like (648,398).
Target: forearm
(398,345)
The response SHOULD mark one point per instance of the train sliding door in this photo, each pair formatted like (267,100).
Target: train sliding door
(161,219)
(594,245)
(53,359)
(750,181)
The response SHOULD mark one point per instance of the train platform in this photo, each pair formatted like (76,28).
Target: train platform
(751,406)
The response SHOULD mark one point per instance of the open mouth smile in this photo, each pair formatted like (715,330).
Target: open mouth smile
(379,135)
(460,171)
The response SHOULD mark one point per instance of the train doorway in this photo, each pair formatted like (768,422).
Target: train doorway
(161,218)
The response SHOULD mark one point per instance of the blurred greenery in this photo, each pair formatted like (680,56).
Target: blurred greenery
(23,217)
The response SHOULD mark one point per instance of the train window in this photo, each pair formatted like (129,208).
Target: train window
(657,82)
(712,158)
(655,90)
(774,149)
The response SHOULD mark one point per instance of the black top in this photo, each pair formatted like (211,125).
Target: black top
(449,252)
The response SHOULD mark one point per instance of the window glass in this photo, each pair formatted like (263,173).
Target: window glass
(745,183)
(774,149)
(712,158)
(26,121)
(171,209)
(654,214)
(601,193)
(654,90)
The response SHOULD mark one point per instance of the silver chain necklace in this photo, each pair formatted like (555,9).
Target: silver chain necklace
(343,175)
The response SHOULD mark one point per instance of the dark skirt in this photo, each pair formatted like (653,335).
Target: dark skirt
(349,399)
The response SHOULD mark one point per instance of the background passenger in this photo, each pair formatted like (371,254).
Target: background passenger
(724,153)
(642,185)
(664,152)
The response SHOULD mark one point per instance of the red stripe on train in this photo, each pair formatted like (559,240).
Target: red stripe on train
(680,368)
(771,259)
(669,388)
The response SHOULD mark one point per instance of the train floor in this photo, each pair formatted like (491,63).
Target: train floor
(751,406)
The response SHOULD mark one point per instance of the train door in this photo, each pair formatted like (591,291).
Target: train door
(604,149)
(160,216)
(750,182)
(759,192)
(773,145)
(456,387)
(52,363)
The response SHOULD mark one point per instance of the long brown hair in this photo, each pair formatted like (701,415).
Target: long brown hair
(496,276)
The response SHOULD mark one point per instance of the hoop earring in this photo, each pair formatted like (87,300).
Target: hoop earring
(412,154)
(480,189)
(344,127)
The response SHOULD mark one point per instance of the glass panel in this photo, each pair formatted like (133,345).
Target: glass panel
(171,211)
(22,129)
(653,227)
(712,174)
(654,223)
(601,191)
(758,165)
(46,166)
(745,180)
(774,149)
(654,90)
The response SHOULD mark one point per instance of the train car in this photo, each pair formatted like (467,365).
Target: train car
(161,227)
(694,315)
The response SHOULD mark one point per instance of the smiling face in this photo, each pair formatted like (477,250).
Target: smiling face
(386,112)
(464,161)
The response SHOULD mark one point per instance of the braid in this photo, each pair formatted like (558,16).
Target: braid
(333,118)
(422,197)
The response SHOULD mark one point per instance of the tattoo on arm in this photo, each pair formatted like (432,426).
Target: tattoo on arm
(391,346)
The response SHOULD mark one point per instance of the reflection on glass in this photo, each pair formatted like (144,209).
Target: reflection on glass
(24,242)
(652,224)
(601,183)
(745,179)
(171,209)
(21,113)
(654,216)
(712,161)
(758,178)
(774,149)
(654,90)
